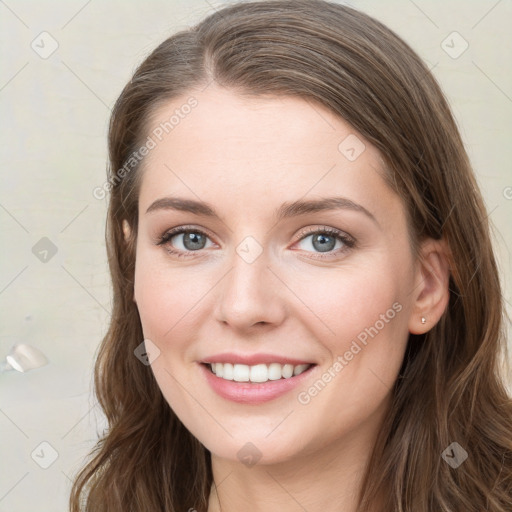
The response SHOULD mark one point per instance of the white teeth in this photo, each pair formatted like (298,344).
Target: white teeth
(219,367)
(227,371)
(297,370)
(287,371)
(274,371)
(240,372)
(258,372)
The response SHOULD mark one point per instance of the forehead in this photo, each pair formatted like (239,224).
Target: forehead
(239,151)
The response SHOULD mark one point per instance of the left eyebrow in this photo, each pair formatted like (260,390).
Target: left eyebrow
(286,210)
(300,207)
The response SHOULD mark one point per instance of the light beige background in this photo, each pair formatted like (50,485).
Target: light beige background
(54,115)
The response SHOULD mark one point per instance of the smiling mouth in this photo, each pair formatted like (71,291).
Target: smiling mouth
(258,373)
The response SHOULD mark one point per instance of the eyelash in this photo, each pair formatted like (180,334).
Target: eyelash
(348,241)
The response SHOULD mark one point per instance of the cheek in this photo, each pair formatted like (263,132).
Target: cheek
(165,299)
(362,322)
(351,300)
(368,316)
(164,295)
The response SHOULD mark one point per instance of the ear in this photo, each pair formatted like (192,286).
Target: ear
(431,290)
(127,231)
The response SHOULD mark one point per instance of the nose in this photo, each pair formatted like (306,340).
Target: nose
(250,296)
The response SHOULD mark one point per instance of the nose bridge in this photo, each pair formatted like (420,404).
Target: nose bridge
(249,292)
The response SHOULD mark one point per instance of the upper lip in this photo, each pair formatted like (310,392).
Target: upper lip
(253,359)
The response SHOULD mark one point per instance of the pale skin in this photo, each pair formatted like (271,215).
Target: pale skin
(245,157)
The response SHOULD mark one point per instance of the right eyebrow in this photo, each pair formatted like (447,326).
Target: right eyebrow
(184,205)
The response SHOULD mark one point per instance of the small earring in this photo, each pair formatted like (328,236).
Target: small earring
(423,320)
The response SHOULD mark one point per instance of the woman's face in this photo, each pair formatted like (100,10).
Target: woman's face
(296,259)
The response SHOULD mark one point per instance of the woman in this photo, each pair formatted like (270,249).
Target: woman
(307,310)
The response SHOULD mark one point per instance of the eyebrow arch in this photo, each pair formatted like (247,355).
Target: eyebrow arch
(286,210)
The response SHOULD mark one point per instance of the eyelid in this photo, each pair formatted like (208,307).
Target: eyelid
(168,234)
(324,229)
(348,241)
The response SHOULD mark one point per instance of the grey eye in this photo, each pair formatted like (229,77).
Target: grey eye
(190,241)
(320,242)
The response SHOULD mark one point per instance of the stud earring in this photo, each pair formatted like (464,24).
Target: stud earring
(423,320)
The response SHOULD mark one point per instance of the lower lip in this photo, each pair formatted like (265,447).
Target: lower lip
(252,393)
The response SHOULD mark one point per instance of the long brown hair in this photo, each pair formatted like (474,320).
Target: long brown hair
(450,388)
